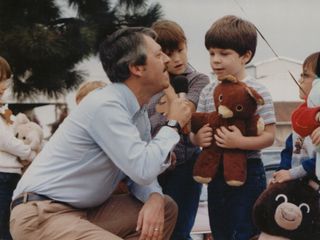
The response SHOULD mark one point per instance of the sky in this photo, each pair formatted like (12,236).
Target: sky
(290,26)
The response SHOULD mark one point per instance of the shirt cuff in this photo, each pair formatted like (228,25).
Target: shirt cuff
(143,192)
(297,172)
(172,138)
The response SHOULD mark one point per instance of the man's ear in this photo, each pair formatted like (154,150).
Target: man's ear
(136,70)
(246,57)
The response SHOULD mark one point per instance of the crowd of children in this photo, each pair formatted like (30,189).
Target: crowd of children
(231,43)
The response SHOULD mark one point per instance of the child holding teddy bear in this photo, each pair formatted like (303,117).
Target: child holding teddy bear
(10,149)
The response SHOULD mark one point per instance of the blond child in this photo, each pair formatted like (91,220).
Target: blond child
(86,88)
(10,149)
(231,42)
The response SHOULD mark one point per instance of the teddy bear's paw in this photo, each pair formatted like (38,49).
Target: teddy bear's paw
(202,179)
(234,183)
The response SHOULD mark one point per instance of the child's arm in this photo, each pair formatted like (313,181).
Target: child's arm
(306,168)
(304,120)
(14,146)
(233,138)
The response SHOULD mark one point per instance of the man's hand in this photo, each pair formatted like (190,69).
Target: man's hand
(228,137)
(203,137)
(151,218)
(173,161)
(179,110)
(281,176)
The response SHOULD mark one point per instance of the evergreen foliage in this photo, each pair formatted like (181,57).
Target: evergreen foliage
(43,47)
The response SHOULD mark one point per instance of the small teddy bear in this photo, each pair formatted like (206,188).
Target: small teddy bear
(236,104)
(288,210)
(30,133)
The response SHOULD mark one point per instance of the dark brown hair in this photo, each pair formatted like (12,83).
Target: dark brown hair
(231,32)
(170,35)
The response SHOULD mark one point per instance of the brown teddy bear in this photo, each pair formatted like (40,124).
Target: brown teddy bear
(288,210)
(236,104)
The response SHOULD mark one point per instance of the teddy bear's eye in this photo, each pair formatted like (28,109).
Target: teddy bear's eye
(17,135)
(220,98)
(304,205)
(282,196)
(24,138)
(239,108)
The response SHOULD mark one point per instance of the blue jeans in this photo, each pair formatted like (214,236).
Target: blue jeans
(181,187)
(8,182)
(230,208)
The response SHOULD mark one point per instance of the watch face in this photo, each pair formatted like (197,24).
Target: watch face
(172,123)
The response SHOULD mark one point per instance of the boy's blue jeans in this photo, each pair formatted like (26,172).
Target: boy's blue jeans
(8,182)
(230,208)
(181,187)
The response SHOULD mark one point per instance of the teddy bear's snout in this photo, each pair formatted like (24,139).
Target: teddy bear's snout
(288,216)
(225,112)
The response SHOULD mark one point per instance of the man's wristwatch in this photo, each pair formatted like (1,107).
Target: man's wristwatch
(174,124)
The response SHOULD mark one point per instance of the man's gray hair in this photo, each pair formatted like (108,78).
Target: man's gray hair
(123,48)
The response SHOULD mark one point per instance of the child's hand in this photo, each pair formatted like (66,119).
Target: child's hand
(315,136)
(281,176)
(318,117)
(203,137)
(228,137)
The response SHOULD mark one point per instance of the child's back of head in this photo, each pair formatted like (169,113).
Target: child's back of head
(5,70)
(312,62)
(231,32)
(170,35)
(86,88)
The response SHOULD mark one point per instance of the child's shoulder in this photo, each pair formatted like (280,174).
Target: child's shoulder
(191,73)
(209,87)
(254,83)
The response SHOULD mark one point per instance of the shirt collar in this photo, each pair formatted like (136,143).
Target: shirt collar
(129,98)
(246,79)
(188,70)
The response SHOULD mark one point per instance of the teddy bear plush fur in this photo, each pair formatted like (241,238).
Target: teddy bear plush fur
(30,133)
(236,104)
(288,210)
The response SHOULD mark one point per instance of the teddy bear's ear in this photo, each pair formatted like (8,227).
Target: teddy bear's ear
(255,95)
(21,118)
(228,78)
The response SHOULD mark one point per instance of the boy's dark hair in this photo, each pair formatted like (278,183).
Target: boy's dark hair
(313,61)
(231,32)
(122,48)
(170,35)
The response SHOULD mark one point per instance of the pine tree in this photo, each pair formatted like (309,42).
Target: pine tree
(43,48)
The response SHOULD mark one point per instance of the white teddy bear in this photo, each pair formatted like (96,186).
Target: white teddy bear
(30,133)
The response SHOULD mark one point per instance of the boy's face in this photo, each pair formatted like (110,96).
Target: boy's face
(178,60)
(228,62)
(306,79)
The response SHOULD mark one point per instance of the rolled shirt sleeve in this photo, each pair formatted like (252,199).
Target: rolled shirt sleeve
(140,160)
